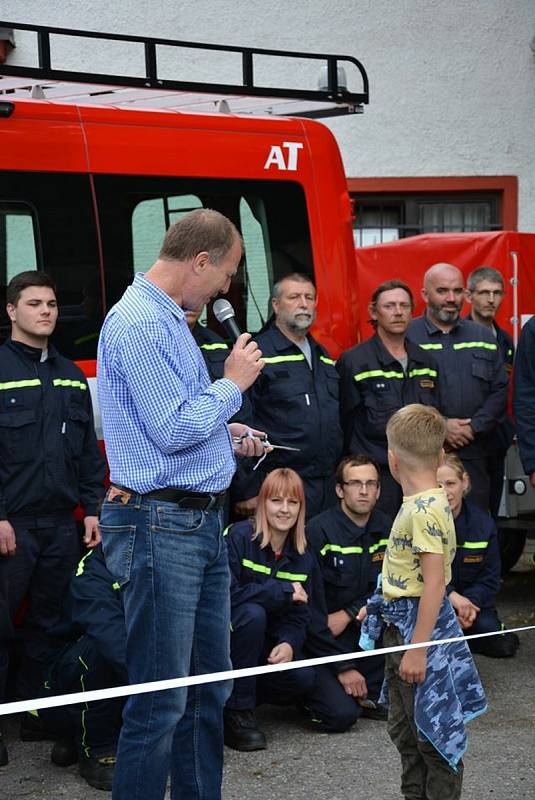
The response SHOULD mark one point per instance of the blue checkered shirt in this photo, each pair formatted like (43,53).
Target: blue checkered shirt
(164,421)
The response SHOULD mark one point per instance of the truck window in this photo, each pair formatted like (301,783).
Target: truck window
(135,211)
(17,240)
(150,220)
(47,222)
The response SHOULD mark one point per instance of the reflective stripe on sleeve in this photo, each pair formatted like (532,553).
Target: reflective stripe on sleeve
(215,346)
(282,359)
(431,346)
(291,576)
(465,345)
(336,548)
(424,371)
(377,373)
(67,382)
(381,543)
(255,567)
(475,545)
(327,360)
(81,564)
(20,384)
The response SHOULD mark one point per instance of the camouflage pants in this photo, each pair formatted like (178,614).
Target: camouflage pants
(425,775)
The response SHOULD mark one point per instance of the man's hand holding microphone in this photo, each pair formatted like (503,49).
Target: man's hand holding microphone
(242,367)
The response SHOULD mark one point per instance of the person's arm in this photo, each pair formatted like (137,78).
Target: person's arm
(96,608)
(524,398)
(91,475)
(487,417)
(486,586)
(171,418)
(413,664)
(350,398)
(272,594)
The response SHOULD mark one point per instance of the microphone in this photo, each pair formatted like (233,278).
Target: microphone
(224,314)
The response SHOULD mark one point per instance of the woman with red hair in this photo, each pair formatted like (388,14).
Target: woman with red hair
(270,578)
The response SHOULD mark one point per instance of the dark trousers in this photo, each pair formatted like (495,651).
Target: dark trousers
(425,775)
(331,710)
(95,726)
(479,482)
(47,552)
(503,646)
(496,471)
(254,634)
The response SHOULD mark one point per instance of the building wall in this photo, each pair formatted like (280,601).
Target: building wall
(452,82)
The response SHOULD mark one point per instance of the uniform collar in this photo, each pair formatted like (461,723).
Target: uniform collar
(33,353)
(434,329)
(414,353)
(347,524)
(281,342)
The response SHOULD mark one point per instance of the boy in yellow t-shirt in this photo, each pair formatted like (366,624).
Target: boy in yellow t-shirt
(432,691)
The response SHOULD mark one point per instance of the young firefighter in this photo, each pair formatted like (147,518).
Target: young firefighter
(432,692)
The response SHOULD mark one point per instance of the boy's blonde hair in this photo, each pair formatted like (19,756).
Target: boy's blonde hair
(416,433)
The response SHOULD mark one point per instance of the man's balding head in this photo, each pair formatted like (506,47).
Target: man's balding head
(440,270)
(443,292)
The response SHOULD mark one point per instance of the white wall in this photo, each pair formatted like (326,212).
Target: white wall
(452,81)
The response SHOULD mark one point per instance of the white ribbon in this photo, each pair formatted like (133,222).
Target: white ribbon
(213,677)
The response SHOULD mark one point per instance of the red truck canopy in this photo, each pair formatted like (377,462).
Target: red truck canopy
(510,252)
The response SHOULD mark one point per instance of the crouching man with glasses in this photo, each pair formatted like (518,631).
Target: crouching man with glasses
(348,541)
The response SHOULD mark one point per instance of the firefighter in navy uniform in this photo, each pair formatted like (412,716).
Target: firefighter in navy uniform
(475,579)
(296,398)
(473,387)
(348,541)
(485,293)
(89,646)
(49,463)
(270,571)
(381,375)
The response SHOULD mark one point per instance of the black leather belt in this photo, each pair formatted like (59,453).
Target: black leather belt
(185,498)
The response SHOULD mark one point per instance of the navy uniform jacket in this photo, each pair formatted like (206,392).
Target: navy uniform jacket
(476,567)
(49,456)
(93,607)
(350,557)
(524,395)
(215,352)
(297,406)
(505,430)
(473,381)
(256,576)
(373,386)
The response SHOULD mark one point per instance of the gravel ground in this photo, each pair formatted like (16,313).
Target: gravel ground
(300,764)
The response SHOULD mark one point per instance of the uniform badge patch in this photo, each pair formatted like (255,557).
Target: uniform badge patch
(425,383)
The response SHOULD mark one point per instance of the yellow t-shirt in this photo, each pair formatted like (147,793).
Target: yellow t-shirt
(424,524)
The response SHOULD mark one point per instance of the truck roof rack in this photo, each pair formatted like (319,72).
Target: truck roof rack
(47,80)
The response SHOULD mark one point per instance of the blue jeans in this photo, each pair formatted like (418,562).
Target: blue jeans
(172,566)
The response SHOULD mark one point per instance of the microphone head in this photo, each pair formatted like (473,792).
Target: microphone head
(222,310)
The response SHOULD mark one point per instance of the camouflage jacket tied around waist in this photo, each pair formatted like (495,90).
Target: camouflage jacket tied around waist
(451,694)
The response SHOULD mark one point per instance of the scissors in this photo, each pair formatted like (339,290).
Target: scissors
(265,442)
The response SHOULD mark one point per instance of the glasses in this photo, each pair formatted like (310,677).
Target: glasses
(362,484)
(486,294)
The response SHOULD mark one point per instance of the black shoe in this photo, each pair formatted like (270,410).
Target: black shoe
(64,753)
(374,711)
(98,772)
(242,732)
(4,758)
(33,729)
